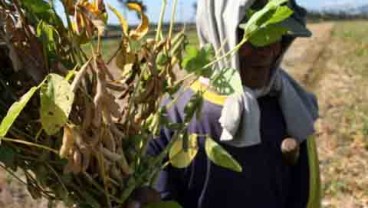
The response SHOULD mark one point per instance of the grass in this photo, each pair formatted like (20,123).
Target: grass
(343,131)
(355,31)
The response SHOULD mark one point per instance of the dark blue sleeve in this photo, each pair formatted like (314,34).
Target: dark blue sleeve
(299,181)
(169,180)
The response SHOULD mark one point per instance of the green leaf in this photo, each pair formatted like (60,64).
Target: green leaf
(56,103)
(38,10)
(194,106)
(163,204)
(268,35)
(266,23)
(180,156)
(162,59)
(277,2)
(123,23)
(37,6)
(195,59)
(220,156)
(71,73)
(280,15)
(14,111)
(48,35)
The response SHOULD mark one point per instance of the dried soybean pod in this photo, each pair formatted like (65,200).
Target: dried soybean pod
(69,166)
(87,120)
(84,148)
(113,85)
(108,140)
(150,87)
(112,105)
(86,159)
(116,174)
(98,99)
(123,163)
(110,155)
(102,66)
(79,76)
(77,161)
(171,77)
(106,115)
(68,142)
(91,137)
(120,158)
(118,133)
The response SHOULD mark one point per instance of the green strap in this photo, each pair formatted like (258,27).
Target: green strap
(314,176)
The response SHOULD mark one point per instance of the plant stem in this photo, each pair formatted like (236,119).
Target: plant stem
(173,12)
(229,53)
(12,173)
(57,177)
(114,55)
(29,144)
(160,21)
(98,44)
(70,27)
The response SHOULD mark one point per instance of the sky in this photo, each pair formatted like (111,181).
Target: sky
(185,11)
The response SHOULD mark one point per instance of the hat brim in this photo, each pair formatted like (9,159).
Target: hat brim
(295,28)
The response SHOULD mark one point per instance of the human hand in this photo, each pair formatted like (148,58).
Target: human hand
(142,197)
(290,149)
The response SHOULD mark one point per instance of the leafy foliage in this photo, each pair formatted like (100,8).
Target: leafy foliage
(220,157)
(105,130)
(263,26)
(14,111)
(196,60)
(41,10)
(57,99)
(108,125)
(183,151)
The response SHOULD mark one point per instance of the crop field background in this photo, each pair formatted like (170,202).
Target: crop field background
(334,65)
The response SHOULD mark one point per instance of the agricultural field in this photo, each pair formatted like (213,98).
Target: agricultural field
(337,71)
(341,83)
(334,65)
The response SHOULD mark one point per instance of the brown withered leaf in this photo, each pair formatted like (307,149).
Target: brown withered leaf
(25,49)
(123,23)
(125,57)
(143,27)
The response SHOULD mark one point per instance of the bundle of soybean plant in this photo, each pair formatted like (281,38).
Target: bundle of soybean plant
(77,131)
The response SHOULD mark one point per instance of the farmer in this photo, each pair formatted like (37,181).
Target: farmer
(265,128)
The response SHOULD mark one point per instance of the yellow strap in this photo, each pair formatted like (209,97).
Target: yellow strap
(208,95)
(314,172)
(314,176)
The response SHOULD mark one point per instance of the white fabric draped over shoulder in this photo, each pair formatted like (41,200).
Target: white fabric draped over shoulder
(217,24)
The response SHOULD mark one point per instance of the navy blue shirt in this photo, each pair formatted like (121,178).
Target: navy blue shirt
(266,181)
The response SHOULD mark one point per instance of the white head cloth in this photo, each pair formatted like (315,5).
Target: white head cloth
(217,23)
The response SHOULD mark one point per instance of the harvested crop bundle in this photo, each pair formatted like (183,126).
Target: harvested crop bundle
(78,131)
